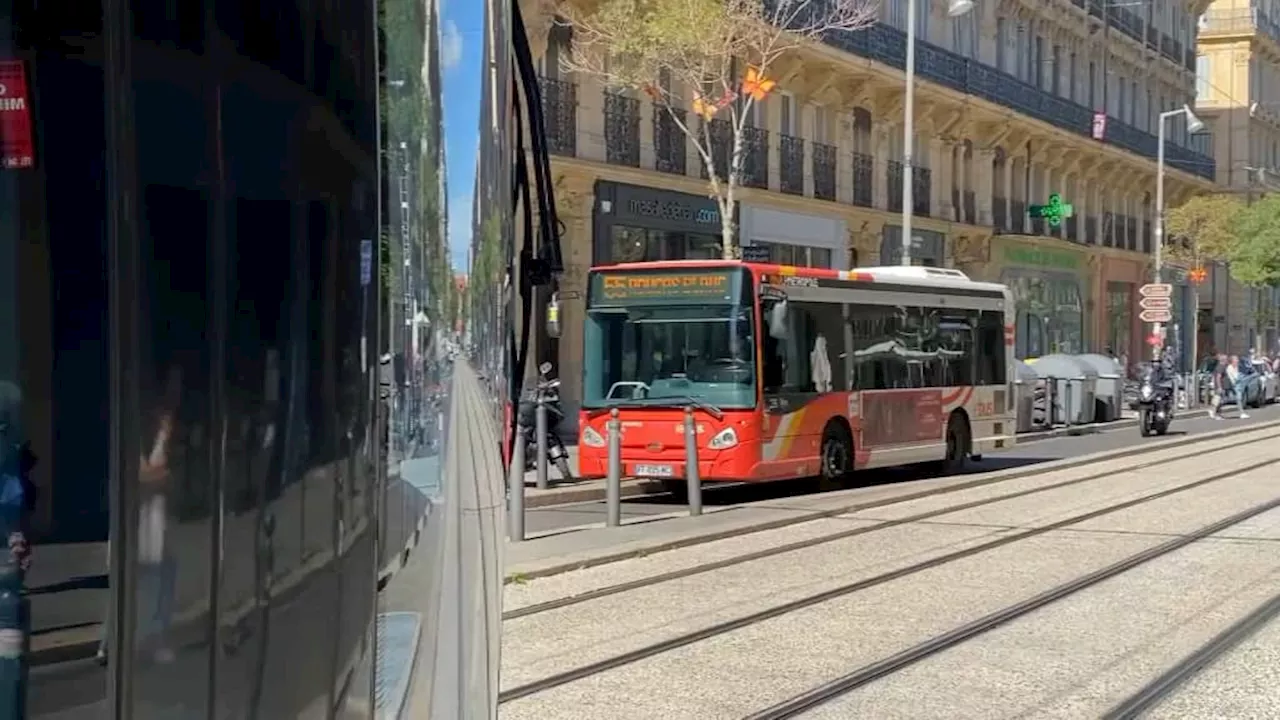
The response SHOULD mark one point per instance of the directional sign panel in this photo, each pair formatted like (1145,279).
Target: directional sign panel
(1156,303)
(1156,290)
(1155,316)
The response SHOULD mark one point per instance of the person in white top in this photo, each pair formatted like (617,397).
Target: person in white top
(820,365)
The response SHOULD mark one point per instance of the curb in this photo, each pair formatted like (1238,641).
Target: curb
(642,548)
(569,494)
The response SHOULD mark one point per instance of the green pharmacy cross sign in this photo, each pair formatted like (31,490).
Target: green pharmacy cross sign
(1053,212)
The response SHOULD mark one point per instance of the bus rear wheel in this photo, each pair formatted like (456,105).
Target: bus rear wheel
(837,454)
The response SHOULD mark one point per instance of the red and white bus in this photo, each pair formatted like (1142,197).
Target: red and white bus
(794,372)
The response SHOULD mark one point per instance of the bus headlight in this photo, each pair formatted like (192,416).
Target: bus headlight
(591,438)
(724,440)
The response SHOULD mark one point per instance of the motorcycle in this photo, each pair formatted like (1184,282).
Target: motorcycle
(548,390)
(1155,402)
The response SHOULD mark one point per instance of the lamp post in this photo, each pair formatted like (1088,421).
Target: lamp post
(955,8)
(1194,126)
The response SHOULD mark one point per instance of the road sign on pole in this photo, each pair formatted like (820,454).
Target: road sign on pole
(1153,290)
(1156,303)
(1156,316)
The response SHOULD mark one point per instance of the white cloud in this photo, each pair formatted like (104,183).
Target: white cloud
(450,45)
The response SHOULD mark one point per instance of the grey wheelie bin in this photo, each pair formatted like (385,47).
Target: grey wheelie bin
(1025,380)
(1109,400)
(1075,387)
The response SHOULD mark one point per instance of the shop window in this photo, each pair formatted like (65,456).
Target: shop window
(633,244)
(797,255)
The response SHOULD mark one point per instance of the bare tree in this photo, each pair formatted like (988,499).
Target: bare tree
(719,52)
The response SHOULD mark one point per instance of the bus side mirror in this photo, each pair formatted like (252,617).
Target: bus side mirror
(778,320)
(553,317)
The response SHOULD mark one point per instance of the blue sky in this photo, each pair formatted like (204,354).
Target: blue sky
(462,46)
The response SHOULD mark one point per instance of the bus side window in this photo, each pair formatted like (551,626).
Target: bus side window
(774,364)
(990,347)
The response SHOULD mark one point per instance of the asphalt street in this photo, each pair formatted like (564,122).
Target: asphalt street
(555,518)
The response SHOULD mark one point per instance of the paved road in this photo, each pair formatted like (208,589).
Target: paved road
(1066,602)
(561,517)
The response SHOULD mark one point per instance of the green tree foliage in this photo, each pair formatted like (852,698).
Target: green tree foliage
(1203,229)
(724,50)
(1255,256)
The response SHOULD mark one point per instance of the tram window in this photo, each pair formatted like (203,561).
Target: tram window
(992,369)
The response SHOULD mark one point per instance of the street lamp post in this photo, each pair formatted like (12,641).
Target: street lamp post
(1193,125)
(955,8)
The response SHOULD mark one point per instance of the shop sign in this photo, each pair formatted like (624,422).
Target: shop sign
(16,148)
(1039,257)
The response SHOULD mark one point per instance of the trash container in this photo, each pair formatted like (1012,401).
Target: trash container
(1075,387)
(1024,387)
(1109,400)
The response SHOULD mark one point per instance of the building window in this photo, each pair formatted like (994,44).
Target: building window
(633,244)
(797,255)
(1119,318)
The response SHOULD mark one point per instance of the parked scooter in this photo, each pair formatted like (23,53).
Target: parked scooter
(1155,400)
(548,389)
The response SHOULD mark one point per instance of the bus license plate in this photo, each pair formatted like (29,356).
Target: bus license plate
(658,471)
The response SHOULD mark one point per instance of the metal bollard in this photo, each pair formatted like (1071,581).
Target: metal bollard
(540,428)
(691,462)
(515,488)
(613,483)
(1068,418)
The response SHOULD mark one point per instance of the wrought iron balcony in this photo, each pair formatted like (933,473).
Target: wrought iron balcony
(621,129)
(1189,59)
(1091,230)
(886,44)
(1097,8)
(669,141)
(895,186)
(1109,233)
(1126,21)
(791,164)
(1000,214)
(921,191)
(970,216)
(1131,232)
(1242,21)
(824,171)
(560,115)
(1072,227)
(755,158)
(1153,37)
(864,180)
(721,132)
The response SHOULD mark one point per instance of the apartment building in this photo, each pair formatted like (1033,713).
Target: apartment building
(1238,95)
(1014,101)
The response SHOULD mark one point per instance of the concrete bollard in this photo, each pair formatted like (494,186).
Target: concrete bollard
(613,483)
(691,462)
(515,488)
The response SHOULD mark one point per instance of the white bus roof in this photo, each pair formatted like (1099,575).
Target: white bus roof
(926,276)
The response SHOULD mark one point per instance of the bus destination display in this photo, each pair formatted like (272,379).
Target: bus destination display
(624,288)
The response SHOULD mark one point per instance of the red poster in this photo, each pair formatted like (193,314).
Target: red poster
(16,149)
(901,416)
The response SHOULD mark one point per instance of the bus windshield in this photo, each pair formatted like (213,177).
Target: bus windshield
(667,353)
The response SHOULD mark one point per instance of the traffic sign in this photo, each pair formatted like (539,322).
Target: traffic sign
(1156,290)
(1154,340)
(1156,303)
(1156,316)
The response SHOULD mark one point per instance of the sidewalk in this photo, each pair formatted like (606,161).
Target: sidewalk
(587,547)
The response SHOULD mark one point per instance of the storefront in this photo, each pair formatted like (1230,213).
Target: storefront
(789,238)
(1120,329)
(928,248)
(633,223)
(1049,281)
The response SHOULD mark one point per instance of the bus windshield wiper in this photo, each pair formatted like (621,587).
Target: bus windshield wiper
(676,401)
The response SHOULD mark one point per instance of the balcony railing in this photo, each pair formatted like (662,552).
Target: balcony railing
(1241,21)
(669,141)
(886,44)
(824,171)
(1017,215)
(621,129)
(755,157)
(721,132)
(1000,214)
(1072,227)
(895,186)
(1131,232)
(791,164)
(864,180)
(921,189)
(560,115)
(970,216)
(1091,230)
(1126,21)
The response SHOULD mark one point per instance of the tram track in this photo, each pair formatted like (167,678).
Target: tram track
(1263,435)
(626,658)
(1168,683)
(1148,697)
